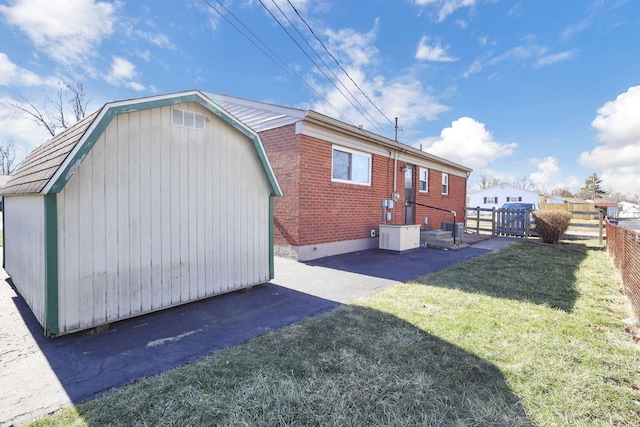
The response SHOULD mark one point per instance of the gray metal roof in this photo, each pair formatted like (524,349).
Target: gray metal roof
(259,116)
(39,167)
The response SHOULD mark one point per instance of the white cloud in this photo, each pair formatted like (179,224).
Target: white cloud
(516,10)
(446,7)
(12,75)
(531,53)
(434,53)
(67,31)
(159,39)
(400,95)
(622,180)
(547,173)
(520,53)
(556,57)
(467,142)
(122,73)
(475,67)
(618,126)
(16,126)
(356,49)
(618,122)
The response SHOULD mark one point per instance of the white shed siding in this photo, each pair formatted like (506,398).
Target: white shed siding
(158,215)
(25,262)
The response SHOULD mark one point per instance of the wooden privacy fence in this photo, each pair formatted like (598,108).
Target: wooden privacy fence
(577,210)
(623,245)
(508,222)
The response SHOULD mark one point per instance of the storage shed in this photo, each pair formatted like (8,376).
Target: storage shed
(143,205)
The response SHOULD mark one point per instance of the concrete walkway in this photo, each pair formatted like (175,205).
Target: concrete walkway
(40,375)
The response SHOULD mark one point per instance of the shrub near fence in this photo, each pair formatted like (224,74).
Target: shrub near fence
(623,245)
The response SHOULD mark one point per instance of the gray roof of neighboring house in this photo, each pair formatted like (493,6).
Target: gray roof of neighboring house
(50,166)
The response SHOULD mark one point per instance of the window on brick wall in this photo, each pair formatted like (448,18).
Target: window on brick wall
(424,180)
(445,183)
(351,166)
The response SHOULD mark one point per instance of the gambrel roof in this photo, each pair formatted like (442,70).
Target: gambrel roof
(50,166)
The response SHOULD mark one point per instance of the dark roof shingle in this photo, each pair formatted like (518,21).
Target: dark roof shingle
(41,164)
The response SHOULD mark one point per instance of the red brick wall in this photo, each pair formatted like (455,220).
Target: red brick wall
(316,210)
(283,150)
(335,211)
(434,197)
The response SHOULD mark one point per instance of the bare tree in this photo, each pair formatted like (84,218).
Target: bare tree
(77,99)
(523,184)
(53,116)
(7,158)
(486,181)
(561,192)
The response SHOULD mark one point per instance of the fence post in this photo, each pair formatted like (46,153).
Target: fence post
(493,221)
(600,219)
(478,220)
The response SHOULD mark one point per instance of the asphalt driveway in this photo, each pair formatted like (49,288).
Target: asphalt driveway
(39,375)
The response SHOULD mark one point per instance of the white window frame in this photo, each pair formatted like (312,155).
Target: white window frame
(187,119)
(352,153)
(425,172)
(445,183)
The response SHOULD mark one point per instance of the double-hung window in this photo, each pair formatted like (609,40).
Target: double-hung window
(445,183)
(350,166)
(424,180)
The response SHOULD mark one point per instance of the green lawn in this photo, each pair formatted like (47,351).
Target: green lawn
(530,335)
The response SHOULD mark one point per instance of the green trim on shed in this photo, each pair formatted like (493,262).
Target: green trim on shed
(271,251)
(51,325)
(4,239)
(113,110)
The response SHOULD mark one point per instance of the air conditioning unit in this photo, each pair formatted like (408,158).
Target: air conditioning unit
(399,238)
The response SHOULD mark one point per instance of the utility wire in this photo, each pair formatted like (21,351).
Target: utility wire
(312,60)
(362,110)
(337,63)
(270,54)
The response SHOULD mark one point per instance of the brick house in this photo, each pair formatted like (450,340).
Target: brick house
(334,177)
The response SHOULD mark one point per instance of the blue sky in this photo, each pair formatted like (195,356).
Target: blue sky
(543,91)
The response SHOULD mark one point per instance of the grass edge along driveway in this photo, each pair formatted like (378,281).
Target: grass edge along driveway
(530,335)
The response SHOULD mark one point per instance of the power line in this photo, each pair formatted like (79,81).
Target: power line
(362,110)
(336,61)
(313,61)
(270,54)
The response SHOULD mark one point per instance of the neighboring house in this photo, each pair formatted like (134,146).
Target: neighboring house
(628,210)
(143,205)
(335,177)
(495,197)
(608,206)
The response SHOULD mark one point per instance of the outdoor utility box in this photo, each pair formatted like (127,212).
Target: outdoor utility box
(448,226)
(395,237)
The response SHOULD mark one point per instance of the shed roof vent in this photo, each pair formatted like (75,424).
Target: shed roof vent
(187,119)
